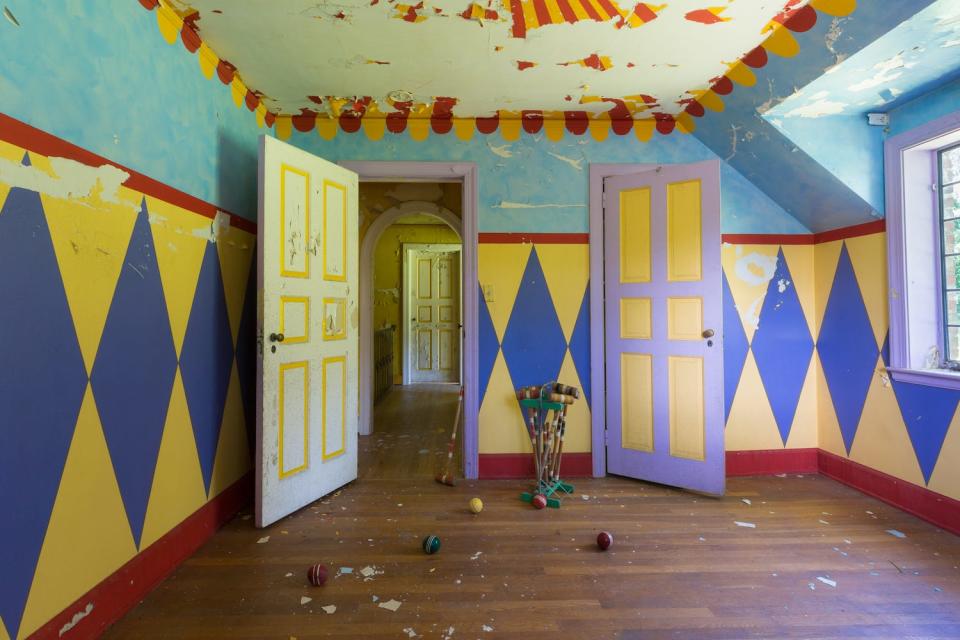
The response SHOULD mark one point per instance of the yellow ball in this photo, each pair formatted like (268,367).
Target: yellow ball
(476,505)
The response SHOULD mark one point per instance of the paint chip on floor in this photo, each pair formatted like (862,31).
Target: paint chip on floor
(390,605)
(263,540)
(410,632)
(746,501)
(487,628)
(823,521)
(304,600)
(827,581)
(288,574)
(748,525)
(330,608)
(346,570)
(896,534)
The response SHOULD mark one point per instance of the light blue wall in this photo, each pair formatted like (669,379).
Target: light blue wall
(935,104)
(846,146)
(98,74)
(537,172)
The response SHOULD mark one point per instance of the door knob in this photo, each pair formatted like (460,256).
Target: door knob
(276,337)
(707,333)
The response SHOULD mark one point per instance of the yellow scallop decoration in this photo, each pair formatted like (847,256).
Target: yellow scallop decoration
(600,127)
(644,129)
(464,128)
(685,122)
(327,128)
(554,126)
(419,128)
(742,74)
(238,90)
(261,114)
(283,127)
(169,23)
(374,127)
(838,8)
(781,42)
(711,100)
(208,60)
(509,125)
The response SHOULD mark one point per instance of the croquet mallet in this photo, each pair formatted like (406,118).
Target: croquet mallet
(446,476)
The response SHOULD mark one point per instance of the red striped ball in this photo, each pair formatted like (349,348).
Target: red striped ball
(317,575)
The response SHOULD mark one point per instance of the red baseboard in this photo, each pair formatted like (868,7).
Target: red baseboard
(771,461)
(919,501)
(520,465)
(122,591)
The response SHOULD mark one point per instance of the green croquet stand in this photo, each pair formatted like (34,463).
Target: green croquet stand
(549,489)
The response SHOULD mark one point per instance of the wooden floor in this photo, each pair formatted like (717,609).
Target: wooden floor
(680,567)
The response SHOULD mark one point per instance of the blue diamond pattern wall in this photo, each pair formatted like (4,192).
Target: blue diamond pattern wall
(57,343)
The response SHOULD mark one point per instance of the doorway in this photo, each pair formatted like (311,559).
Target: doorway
(407,180)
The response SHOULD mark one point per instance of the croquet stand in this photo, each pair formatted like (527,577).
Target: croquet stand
(549,489)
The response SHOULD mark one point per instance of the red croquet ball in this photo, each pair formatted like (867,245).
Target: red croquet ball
(604,540)
(539,501)
(317,575)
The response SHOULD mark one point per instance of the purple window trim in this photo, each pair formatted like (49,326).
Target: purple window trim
(895,169)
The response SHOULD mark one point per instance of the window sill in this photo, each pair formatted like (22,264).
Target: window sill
(941,378)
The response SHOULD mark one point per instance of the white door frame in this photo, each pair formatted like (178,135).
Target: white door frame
(405,301)
(401,171)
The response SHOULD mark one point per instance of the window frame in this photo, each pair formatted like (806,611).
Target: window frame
(916,291)
(952,364)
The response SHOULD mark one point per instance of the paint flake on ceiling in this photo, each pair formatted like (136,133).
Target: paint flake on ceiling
(486,60)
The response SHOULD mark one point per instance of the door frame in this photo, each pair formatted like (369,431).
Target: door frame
(465,173)
(405,304)
(598,375)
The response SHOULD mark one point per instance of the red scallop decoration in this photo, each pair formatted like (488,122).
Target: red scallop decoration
(695,109)
(397,121)
(251,100)
(722,86)
(149,5)
(489,124)
(304,121)
(350,121)
(270,118)
(802,19)
(191,41)
(441,120)
(756,58)
(665,122)
(577,122)
(621,126)
(225,71)
(532,121)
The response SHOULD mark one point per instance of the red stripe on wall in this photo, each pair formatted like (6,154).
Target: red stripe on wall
(534,238)
(919,501)
(857,230)
(122,591)
(520,465)
(32,139)
(865,229)
(770,461)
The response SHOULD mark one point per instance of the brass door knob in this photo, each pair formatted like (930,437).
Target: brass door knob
(707,333)
(276,337)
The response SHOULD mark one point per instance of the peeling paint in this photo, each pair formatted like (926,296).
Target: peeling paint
(77,617)
(503,150)
(70,180)
(573,162)
(755,268)
(708,15)
(220,222)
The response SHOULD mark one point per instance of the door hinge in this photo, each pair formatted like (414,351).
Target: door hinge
(606,437)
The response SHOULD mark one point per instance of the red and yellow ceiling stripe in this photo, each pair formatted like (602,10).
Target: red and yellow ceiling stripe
(422,120)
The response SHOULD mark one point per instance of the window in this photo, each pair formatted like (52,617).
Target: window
(922,174)
(948,181)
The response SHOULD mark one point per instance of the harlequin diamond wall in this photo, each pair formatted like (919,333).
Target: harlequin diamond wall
(125,333)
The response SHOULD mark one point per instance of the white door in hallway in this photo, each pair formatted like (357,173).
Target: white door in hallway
(431,338)
(306,331)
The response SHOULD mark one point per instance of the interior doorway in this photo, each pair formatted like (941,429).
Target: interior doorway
(394,194)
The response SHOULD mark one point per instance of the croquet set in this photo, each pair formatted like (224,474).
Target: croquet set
(546,424)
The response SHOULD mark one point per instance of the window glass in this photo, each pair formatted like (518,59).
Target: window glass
(949,179)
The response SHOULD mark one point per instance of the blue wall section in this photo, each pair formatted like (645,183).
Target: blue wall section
(935,104)
(99,75)
(550,180)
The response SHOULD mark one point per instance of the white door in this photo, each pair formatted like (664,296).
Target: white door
(431,279)
(307,331)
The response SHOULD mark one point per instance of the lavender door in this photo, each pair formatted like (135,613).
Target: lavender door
(663,326)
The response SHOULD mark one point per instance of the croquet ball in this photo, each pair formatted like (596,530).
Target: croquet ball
(476,505)
(539,501)
(604,540)
(317,575)
(431,544)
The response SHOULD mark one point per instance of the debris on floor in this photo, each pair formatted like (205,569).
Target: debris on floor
(263,540)
(746,501)
(896,534)
(390,605)
(304,600)
(330,608)
(827,581)
(748,525)
(410,632)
